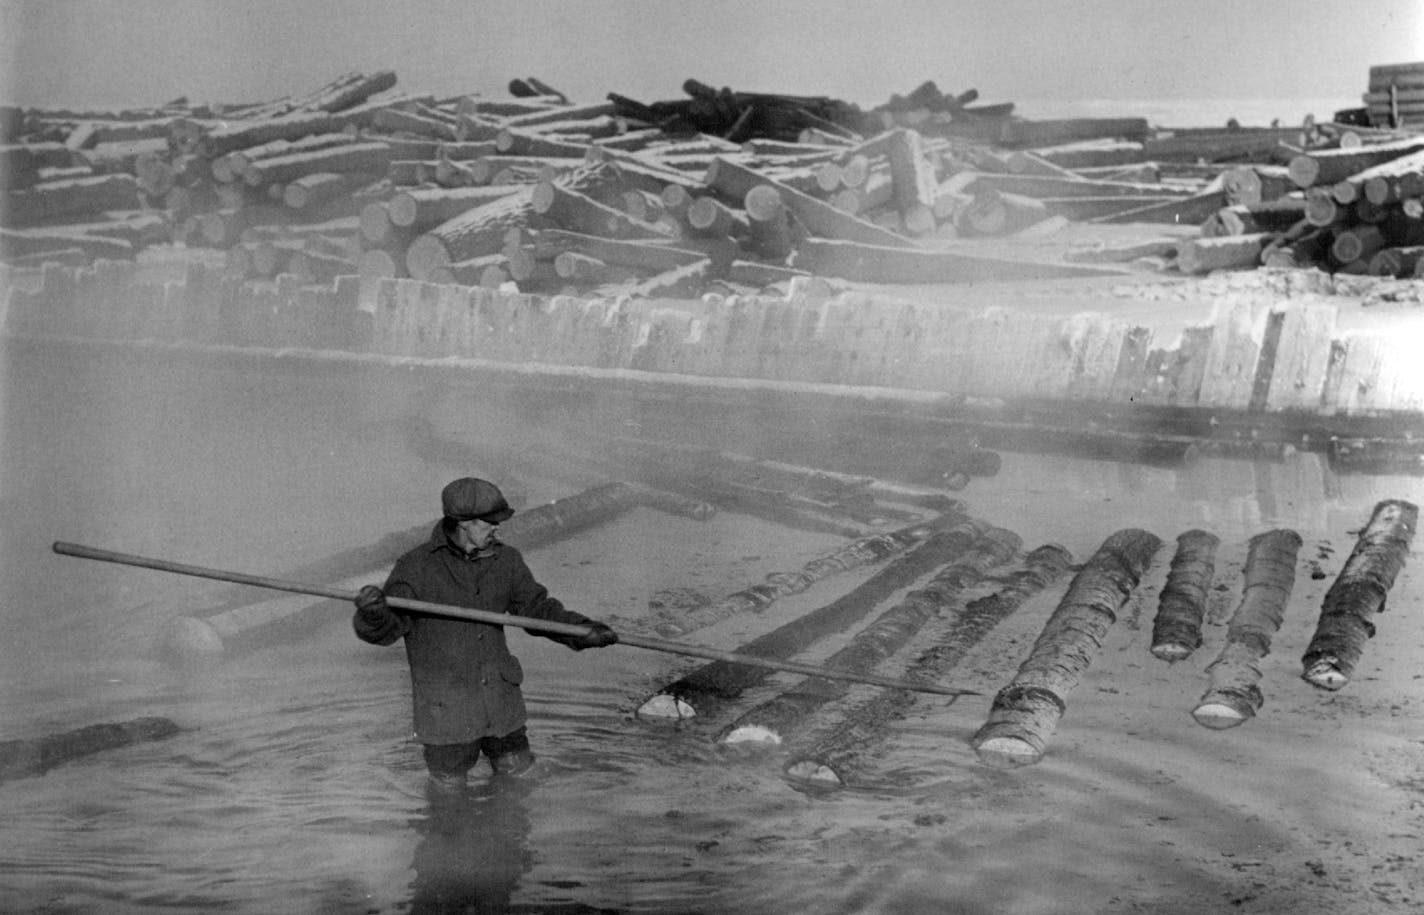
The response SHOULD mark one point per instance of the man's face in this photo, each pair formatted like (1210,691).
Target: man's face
(475,534)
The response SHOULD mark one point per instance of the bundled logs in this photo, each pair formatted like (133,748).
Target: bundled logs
(1358,594)
(1233,695)
(1025,713)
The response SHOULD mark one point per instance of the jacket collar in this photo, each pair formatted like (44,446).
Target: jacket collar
(440,540)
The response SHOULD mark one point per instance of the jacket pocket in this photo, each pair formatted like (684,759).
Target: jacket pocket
(510,671)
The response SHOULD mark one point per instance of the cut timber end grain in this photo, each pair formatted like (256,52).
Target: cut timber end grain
(1218,715)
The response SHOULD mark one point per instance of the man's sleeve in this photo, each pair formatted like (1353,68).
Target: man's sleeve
(531,599)
(389,627)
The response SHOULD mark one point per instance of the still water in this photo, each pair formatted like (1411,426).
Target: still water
(294,787)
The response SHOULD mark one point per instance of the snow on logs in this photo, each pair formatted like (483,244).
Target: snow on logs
(1176,630)
(1233,695)
(1025,713)
(1358,594)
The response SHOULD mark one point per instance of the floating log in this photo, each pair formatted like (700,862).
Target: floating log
(1176,631)
(699,690)
(1270,575)
(830,757)
(773,720)
(23,758)
(1358,594)
(1026,712)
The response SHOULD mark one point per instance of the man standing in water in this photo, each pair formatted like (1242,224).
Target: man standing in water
(464,680)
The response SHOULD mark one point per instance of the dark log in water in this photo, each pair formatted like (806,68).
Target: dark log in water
(720,680)
(22,758)
(1176,632)
(1026,712)
(1358,593)
(772,720)
(1270,575)
(757,598)
(834,755)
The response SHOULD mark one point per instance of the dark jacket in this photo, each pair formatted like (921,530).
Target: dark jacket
(464,681)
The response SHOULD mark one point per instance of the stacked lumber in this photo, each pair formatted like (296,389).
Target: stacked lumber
(1396,95)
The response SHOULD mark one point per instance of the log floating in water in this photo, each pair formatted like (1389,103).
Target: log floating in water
(1026,711)
(1269,577)
(22,758)
(771,721)
(702,688)
(1358,594)
(1176,631)
(831,757)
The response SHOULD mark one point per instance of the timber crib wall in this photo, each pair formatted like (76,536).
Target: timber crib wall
(1256,356)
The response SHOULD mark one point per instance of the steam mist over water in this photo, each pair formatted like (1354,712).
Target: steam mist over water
(294,787)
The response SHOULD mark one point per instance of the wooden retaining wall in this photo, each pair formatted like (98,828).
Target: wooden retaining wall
(1258,356)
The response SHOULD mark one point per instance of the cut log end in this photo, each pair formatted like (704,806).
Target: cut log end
(666,706)
(752,733)
(1219,715)
(1325,675)
(1008,752)
(1172,651)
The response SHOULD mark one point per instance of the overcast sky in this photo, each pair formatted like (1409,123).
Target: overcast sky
(143,52)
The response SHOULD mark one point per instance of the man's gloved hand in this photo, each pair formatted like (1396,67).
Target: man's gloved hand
(598,635)
(371,604)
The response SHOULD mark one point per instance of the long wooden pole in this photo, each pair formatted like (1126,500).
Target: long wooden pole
(497,619)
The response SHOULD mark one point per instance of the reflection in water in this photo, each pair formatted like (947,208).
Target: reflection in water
(474,847)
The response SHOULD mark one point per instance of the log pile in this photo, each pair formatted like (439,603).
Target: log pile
(720,190)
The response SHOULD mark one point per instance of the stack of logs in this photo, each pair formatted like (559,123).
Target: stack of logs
(670,198)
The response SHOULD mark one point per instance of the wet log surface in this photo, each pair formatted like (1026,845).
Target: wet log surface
(23,758)
(835,754)
(1358,594)
(1026,712)
(772,720)
(1176,631)
(1234,695)
(721,680)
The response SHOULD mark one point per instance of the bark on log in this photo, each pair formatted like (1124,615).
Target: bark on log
(526,143)
(772,721)
(776,585)
(288,127)
(354,157)
(474,233)
(1223,252)
(1358,594)
(1233,695)
(721,680)
(1052,132)
(1176,631)
(732,181)
(1241,219)
(1044,186)
(1026,712)
(1190,210)
(23,758)
(832,755)
(1327,166)
(652,256)
(394,120)
(52,200)
(576,212)
(420,208)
